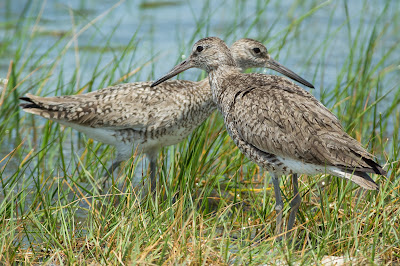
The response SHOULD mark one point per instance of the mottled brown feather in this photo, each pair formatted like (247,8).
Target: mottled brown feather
(131,105)
(278,117)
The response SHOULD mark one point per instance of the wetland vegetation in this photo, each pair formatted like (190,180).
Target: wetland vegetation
(51,206)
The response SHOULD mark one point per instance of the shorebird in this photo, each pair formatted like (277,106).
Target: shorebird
(278,125)
(134,115)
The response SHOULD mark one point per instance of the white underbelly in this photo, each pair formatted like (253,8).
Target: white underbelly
(300,167)
(127,144)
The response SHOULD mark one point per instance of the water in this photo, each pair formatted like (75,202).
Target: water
(167,31)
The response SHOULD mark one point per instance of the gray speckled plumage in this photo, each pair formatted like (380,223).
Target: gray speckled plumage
(289,122)
(131,113)
(131,116)
(134,115)
(278,125)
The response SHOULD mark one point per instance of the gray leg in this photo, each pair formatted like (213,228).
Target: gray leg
(152,156)
(278,206)
(153,172)
(295,203)
(110,170)
(114,166)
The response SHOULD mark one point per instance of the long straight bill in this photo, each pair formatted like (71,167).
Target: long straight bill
(272,64)
(184,65)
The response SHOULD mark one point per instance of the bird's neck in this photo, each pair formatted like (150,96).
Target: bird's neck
(219,82)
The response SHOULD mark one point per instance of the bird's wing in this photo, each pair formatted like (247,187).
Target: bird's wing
(278,117)
(131,105)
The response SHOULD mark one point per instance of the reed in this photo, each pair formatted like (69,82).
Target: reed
(215,207)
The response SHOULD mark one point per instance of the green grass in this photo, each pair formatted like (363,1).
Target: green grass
(51,207)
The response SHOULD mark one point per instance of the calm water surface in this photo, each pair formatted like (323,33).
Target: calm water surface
(168,30)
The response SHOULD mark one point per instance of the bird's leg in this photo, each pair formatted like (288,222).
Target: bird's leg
(153,172)
(278,206)
(114,166)
(110,170)
(152,156)
(294,204)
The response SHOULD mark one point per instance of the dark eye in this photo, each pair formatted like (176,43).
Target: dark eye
(256,50)
(199,48)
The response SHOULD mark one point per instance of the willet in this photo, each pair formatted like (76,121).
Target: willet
(134,115)
(278,125)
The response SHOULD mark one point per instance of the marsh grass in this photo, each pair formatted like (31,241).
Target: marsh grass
(213,205)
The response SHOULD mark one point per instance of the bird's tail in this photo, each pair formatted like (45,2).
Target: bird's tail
(47,107)
(362,179)
(360,175)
